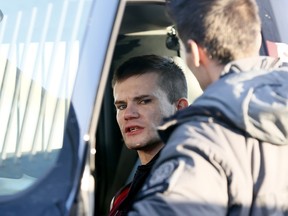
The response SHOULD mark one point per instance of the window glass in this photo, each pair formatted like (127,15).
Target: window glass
(279,48)
(40,42)
(280,12)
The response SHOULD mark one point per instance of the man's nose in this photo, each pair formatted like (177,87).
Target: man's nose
(131,112)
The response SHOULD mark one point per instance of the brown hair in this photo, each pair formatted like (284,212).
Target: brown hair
(225,28)
(171,78)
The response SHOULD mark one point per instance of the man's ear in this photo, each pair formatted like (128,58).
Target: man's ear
(182,103)
(194,52)
(198,54)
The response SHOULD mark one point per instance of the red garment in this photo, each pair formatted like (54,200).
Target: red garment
(125,198)
(119,198)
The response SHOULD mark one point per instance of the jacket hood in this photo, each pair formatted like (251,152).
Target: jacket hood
(253,94)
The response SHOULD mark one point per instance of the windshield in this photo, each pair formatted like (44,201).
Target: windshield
(40,43)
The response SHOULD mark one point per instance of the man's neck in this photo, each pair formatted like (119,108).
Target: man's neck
(146,155)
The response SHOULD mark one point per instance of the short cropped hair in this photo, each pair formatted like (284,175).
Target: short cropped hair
(171,78)
(225,28)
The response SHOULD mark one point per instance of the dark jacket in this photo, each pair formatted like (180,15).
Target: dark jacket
(227,154)
(124,198)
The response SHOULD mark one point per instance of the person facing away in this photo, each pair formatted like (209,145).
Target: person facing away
(227,153)
(146,89)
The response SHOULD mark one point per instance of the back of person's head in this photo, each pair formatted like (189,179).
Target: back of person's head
(171,78)
(226,29)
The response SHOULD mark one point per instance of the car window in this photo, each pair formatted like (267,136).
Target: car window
(40,43)
(280,48)
(281,17)
(274,28)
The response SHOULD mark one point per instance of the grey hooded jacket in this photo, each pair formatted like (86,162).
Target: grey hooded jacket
(226,154)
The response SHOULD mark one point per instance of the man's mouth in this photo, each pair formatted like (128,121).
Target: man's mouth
(132,129)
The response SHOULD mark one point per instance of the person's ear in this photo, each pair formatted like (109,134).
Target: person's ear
(182,103)
(193,53)
(197,53)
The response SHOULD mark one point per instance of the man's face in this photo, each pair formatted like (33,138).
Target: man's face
(141,106)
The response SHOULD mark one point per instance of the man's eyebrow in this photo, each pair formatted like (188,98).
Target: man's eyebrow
(141,97)
(137,98)
(119,102)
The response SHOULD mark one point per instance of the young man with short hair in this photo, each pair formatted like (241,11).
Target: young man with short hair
(146,89)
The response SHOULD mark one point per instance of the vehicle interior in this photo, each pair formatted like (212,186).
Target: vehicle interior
(145,29)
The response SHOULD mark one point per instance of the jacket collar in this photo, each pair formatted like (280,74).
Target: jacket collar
(255,63)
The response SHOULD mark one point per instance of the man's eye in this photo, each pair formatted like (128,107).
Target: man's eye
(146,101)
(121,107)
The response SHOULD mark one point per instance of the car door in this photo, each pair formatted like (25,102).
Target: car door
(52,54)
